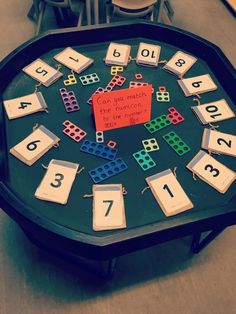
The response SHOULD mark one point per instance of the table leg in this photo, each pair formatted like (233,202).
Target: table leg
(160,9)
(96,12)
(88,11)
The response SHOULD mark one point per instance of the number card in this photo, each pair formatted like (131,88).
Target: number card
(212,171)
(108,207)
(219,142)
(197,85)
(35,145)
(213,111)
(118,54)
(57,181)
(169,193)
(42,72)
(148,54)
(73,60)
(180,63)
(25,105)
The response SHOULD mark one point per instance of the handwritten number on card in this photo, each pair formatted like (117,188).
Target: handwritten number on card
(76,60)
(109,206)
(220,140)
(32,145)
(196,84)
(58,178)
(212,109)
(165,187)
(146,52)
(212,170)
(116,53)
(180,62)
(24,105)
(41,71)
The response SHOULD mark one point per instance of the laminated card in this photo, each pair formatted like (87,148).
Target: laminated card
(57,181)
(169,193)
(118,54)
(197,85)
(148,54)
(180,63)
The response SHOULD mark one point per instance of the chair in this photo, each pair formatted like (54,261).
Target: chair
(131,9)
(61,10)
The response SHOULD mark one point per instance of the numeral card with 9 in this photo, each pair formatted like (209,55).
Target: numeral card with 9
(180,63)
(169,193)
(219,142)
(197,85)
(25,105)
(42,72)
(108,207)
(118,54)
(212,171)
(57,182)
(35,145)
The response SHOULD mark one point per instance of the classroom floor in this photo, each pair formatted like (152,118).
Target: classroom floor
(163,279)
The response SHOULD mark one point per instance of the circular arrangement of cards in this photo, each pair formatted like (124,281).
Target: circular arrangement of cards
(115,107)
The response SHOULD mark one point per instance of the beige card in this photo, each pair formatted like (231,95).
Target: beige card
(35,145)
(197,85)
(213,111)
(57,181)
(212,171)
(118,54)
(73,60)
(169,193)
(42,72)
(148,54)
(25,105)
(108,207)
(180,63)
(219,142)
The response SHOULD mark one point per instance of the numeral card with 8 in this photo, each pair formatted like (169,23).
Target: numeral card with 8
(180,63)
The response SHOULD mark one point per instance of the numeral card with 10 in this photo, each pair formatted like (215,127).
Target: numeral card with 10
(148,54)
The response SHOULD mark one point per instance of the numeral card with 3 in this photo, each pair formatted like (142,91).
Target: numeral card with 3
(219,142)
(148,54)
(73,60)
(169,193)
(213,111)
(108,207)
(180,63)
(212,171)
(197,85)
(118,54)
(57,181)
(35,145)
(25,105)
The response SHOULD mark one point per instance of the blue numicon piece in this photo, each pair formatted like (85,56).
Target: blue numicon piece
(98,149)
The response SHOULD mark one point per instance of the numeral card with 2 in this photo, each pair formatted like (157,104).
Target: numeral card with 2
(180,63)
(169,193)
(42,72)
(25,105)
(108,207)
(35,145)
(212,171)
(57,181)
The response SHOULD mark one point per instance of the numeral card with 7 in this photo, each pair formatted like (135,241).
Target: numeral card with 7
(57,181)
(108,207)
(169,193)
(42,72)
(35,145)
(25,105)
(212,171)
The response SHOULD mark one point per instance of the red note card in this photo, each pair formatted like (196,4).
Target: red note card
(121,108)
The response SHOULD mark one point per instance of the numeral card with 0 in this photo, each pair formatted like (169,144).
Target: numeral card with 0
(42,72)
(118,54)
(169,193)
(148,54)
(197,85)
(212,171)
(180,63)
(73,60)
(57,181)
(108,207)
(25,105)
(213,111)
(215,141)
(35,145)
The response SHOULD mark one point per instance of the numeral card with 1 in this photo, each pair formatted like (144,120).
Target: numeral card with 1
(180,63)
(35,145)
(212,171)
(42,72)
(148,54)
(219,142)
(213,111)
(169,193)
(25,105)
(108,207)
(118,54)
(73,60)
(57,181)
(197,85)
